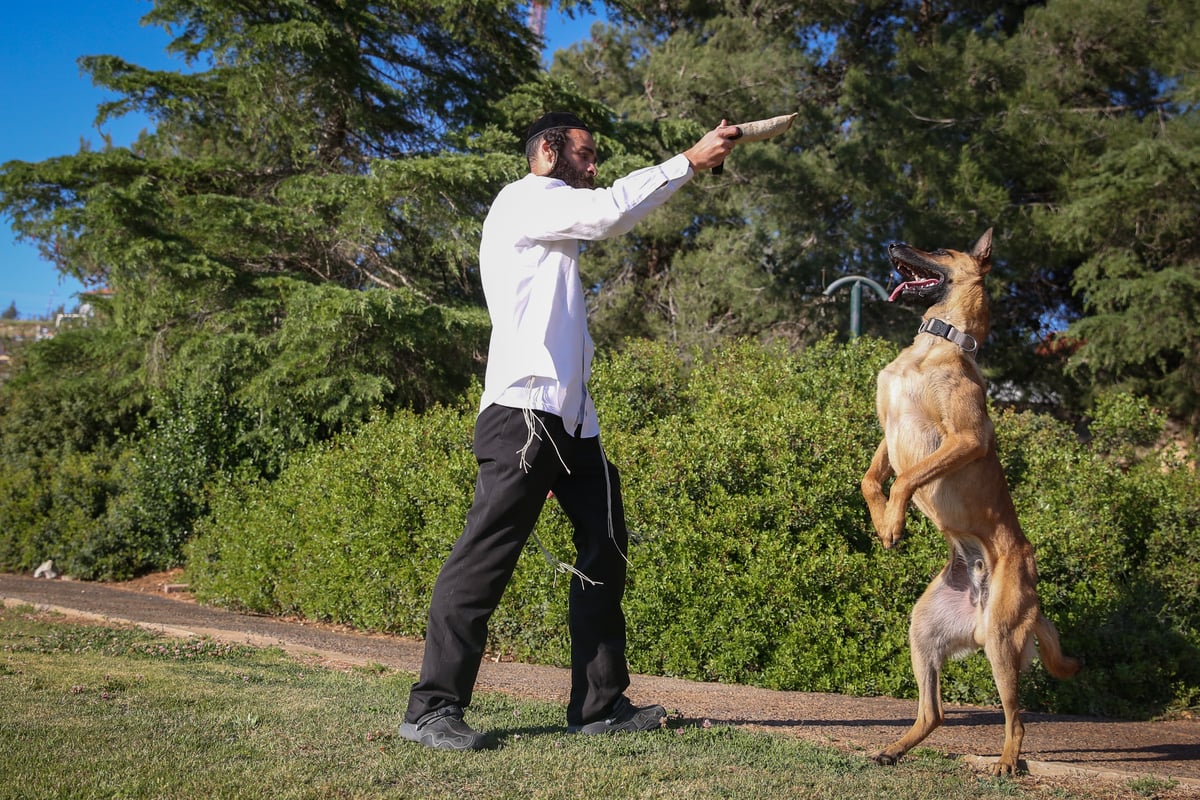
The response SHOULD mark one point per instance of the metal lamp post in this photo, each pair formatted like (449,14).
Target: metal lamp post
(856,282)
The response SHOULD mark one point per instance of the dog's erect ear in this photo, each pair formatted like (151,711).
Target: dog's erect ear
(982,251)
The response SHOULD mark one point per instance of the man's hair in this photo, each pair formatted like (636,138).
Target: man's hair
(555,137)
(552,127)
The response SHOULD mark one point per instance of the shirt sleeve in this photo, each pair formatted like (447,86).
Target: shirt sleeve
(564,212)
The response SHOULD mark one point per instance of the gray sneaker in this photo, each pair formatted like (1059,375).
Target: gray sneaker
(624,717)
(444,729)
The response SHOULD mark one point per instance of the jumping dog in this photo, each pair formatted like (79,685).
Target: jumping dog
(939,445)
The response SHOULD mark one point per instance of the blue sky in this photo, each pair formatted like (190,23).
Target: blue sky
(50,108)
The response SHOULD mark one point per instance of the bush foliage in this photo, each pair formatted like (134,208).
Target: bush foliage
(753,557)
(107,459)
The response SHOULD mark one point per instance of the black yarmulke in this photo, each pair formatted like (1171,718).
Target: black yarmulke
(555,119)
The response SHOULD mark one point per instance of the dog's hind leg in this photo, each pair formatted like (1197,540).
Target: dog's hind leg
(1012,618)
(927,666)
(1009,648)
(1006,655)
(943,626)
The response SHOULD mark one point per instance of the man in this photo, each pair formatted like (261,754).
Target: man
(537,432)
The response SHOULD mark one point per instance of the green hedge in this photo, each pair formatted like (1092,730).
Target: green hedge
(351,532)
(107,459)
(753,560)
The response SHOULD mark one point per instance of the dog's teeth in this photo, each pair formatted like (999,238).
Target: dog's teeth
(917,284)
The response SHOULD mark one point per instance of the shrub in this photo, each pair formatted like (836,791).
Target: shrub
(159,422)
(1099,524)
(22,507)
(353,531)
(753,557)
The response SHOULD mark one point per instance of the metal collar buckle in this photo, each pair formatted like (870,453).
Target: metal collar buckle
(945,330)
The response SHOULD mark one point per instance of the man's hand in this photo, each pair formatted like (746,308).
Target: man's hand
(713,148)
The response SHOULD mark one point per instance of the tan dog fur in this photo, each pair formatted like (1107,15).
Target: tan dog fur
(940,446)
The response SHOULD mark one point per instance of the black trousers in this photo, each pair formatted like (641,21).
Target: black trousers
(508,500)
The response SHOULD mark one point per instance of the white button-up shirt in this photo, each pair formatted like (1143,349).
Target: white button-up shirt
(540,356)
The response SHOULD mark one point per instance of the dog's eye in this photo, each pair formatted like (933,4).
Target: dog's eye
(939,252)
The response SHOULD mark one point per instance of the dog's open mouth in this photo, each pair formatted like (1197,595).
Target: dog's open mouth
(919,279)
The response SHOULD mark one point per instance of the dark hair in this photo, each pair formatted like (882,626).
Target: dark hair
(555,137)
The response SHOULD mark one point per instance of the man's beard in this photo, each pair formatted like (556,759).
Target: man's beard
(566,172)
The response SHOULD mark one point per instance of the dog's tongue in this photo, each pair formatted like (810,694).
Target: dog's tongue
(911,285)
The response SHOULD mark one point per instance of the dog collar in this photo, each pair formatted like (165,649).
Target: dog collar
(947,331)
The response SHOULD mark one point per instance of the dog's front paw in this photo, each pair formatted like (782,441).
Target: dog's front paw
(892,531)
(888,541)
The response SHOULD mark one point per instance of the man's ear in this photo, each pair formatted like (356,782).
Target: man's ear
(543,158)
(547,152)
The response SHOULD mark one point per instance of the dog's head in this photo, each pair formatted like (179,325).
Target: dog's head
(932,276)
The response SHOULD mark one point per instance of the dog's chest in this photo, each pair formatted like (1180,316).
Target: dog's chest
(907,398)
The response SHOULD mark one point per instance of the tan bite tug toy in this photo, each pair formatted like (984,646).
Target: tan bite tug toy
(758,130)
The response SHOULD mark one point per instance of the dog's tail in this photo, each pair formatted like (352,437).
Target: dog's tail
(1056,663)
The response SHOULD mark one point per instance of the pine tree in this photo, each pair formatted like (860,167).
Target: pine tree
(925,122)
(317,143)
(289,249)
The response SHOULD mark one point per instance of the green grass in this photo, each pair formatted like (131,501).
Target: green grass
(100,712)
